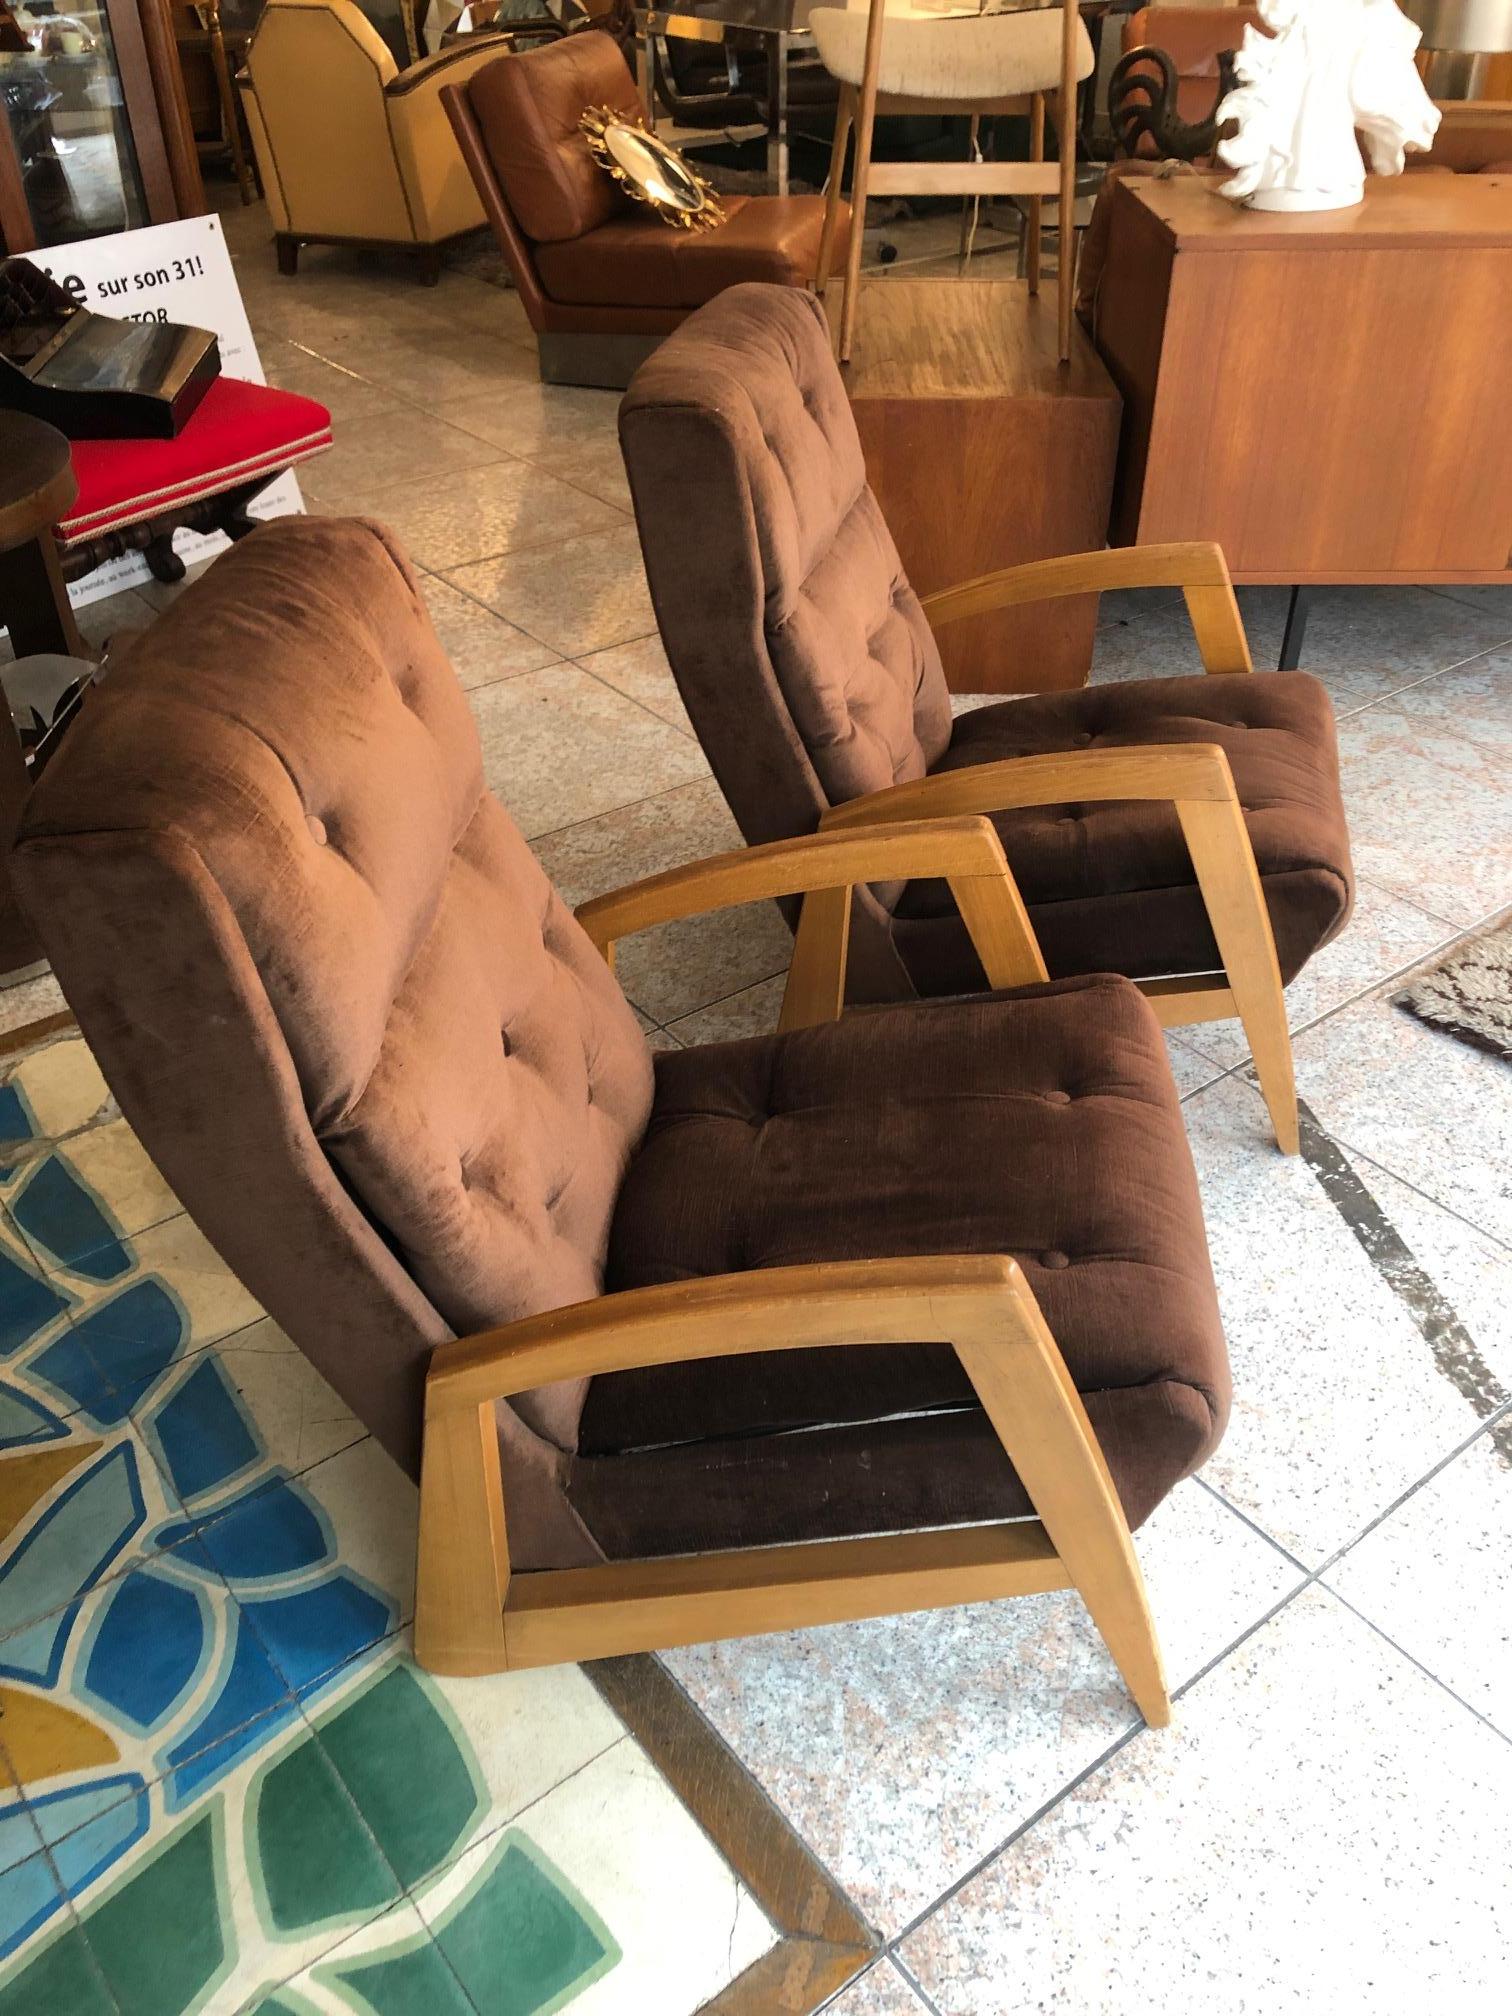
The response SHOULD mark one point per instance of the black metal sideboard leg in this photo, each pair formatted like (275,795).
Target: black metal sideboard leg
(1294,635)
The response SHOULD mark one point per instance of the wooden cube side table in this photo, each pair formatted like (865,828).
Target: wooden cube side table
(984,452)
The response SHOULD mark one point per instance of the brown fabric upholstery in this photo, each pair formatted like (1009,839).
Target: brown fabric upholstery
(453,1069)
(811,677)
(1112,884)
(1041,1123)
(528,107)
(385,1071)
(639,261)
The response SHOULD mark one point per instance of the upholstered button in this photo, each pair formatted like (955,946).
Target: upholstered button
(1083,740)
(1067,819)
(1054,1259)
(317,830)
(1057,1098)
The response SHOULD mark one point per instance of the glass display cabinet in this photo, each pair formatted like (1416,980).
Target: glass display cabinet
(94,129)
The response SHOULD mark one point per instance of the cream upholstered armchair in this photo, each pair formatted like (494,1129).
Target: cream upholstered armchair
(351,149)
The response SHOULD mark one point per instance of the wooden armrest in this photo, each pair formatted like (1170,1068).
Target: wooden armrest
(1181,772)
(905,1301)
(474,1615)
(1195,566)
(966,853)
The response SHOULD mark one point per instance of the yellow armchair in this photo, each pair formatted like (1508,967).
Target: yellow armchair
(351,149)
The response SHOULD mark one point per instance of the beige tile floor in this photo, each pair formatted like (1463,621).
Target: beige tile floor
(1326,1825)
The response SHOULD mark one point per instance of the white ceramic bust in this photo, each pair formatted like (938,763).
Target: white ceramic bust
(1328,68)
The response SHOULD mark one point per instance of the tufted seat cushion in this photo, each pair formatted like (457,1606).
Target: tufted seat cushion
(1111,884)
(1041,1123)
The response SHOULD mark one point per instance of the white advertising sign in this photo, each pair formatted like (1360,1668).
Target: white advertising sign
(167,273)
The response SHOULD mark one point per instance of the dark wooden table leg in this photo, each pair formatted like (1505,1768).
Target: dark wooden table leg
(34,601)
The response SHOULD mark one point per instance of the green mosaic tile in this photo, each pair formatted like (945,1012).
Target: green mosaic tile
(522,1941)
(411,1773)
(159,1938)
(58,1978)
(314,1860)
(408,1979)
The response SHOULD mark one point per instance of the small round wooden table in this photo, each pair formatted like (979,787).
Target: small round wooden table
(37,485)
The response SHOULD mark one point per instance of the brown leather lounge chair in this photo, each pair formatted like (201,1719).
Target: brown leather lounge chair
(399,1088)
(602,278)
(1186,832)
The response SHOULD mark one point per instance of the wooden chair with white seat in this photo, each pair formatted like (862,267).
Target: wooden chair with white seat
(893,58)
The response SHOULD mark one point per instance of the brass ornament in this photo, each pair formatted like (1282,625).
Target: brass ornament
(646,168)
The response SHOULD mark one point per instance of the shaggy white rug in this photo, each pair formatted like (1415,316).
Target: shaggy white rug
(1470,993)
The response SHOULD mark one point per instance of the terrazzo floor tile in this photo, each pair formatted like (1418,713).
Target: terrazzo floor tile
(1383,936)
(113,1165)
(585,598)
(27,1001)
(679,967)
(1363,643)
(751,1012)
(1341,1402)
(1434,1110)
(681,1922)
(881,1991)
(392,1963)
(1285,1846)
(1436,1577)
(457,516)
(376,451)
(905,1749)
(481,646)
(570,431)
(640,671)
(560,747)
(1460,719)
(345,396)
(1439,837)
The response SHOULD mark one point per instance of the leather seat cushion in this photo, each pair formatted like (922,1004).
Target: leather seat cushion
(1041,1123)
(1111,886)
(637,261)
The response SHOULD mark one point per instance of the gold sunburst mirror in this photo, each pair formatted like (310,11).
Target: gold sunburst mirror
(650,171)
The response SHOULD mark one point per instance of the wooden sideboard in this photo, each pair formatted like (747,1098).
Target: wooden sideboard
(1329,396)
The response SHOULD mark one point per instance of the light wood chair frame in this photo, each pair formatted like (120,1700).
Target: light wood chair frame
(1193,777)
(1035,178)
(474,1615)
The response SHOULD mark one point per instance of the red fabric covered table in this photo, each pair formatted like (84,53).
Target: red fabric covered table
(240,437)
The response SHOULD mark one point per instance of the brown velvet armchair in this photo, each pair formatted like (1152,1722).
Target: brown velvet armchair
(601,278)
(871,1315)
(1186,832)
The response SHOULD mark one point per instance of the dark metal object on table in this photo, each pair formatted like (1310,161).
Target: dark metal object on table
(1142,100)
(96,376)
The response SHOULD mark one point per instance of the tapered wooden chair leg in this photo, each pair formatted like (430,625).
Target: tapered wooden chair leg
(845,113)
(462,1574)
(1027,1393)
(1230,883)
(969,203)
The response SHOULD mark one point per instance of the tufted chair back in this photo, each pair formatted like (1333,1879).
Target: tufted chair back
(337,998)
(773,572)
